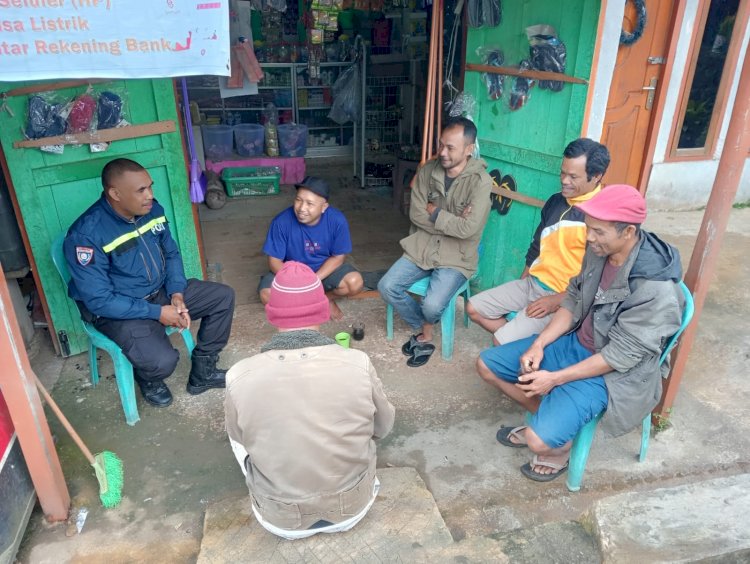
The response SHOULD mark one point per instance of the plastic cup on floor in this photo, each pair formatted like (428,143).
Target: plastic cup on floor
(358,331)
(343,339)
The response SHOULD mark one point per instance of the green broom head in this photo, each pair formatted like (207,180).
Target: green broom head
(108,468)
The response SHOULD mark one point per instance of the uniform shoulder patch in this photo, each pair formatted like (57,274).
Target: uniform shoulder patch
(84,255)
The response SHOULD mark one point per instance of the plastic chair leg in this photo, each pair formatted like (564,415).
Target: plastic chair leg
(189,342)
(93,365)
(389,322)
(645,436)
(579,454)
(466,294)
(126,387)
(186,335)
(447,328)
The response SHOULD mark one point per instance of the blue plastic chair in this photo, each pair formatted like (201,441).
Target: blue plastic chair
(447,320)
(97,340)
(579,452)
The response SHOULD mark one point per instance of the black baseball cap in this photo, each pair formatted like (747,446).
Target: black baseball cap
(315,185)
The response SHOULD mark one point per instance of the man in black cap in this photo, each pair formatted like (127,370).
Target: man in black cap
(316,234)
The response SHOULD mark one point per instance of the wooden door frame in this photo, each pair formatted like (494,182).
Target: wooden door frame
(678,12)
(4,170)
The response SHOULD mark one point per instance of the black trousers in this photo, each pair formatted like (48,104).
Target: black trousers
(145,343)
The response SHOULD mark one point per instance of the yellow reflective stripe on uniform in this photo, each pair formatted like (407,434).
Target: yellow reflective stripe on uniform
(109,247)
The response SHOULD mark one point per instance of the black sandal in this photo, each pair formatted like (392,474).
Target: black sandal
(420,355)
(408,347)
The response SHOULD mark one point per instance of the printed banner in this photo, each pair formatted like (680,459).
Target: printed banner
(52,39)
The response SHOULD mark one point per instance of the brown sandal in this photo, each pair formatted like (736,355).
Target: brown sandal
(504,435)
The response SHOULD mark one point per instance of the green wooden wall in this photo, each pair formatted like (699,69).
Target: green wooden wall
(528,143)
(53,190)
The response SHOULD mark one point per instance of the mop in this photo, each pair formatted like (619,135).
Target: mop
(197,178)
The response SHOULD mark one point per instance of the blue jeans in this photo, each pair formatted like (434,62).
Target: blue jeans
(566,408)
(444,283)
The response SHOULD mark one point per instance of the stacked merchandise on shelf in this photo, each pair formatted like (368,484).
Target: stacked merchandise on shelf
(325,15)
(383,113)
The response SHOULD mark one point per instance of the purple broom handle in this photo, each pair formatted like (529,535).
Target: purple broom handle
(188,121)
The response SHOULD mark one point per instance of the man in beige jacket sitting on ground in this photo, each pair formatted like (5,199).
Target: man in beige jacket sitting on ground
(302,417)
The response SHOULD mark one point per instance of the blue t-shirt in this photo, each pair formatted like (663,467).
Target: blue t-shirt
(288,239)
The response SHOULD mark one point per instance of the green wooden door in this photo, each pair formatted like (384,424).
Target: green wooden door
(53,190)
(528,143)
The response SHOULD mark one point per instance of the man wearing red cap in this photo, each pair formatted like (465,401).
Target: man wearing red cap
(601,350)
(302,417)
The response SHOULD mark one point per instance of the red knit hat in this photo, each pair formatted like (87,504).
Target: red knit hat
(618,202)
(297,298)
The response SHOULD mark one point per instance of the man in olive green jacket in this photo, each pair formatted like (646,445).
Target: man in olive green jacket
(450,202)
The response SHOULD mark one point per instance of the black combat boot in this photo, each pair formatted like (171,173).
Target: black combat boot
(204,375)
(155,392)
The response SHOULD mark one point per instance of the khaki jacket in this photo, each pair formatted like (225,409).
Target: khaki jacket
(451,241)
(307,418)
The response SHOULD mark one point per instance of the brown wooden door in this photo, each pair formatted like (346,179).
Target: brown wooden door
(637,77)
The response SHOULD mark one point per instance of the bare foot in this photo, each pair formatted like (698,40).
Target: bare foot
(336,313)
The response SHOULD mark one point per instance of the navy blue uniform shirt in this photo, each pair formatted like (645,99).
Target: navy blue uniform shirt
(117,263)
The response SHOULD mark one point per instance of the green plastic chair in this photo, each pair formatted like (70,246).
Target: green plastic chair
(447,320)
(97,340)
(579,452)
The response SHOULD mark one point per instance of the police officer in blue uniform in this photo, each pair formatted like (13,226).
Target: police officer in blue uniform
(128,280)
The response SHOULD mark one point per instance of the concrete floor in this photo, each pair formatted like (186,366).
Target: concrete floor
(177,460)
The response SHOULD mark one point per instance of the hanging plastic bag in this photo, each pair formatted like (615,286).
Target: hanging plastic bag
(519,93)
(347,96)
(548,53)
(485,12)
(82,114)
(108,110)
(464,106)
(495,82)
(45,118)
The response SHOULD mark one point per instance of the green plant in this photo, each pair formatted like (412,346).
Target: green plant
(662,422)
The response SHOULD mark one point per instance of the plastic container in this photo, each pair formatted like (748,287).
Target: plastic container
(217,141)
(292,139)
(249,138)
(251,180)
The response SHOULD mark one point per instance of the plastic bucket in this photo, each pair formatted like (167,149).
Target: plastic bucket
(217,141)
(249,138)
(292,139)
